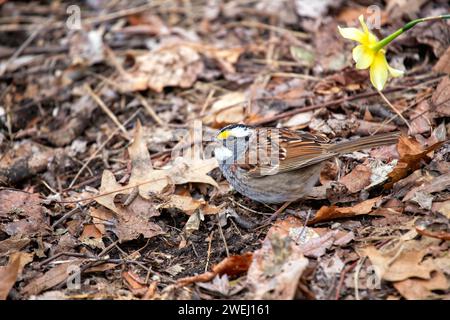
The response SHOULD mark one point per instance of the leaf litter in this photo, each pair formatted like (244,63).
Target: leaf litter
(117,183)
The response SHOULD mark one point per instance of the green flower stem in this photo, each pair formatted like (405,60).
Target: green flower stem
(384,42)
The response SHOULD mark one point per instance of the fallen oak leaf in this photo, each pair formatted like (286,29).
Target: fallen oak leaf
(420,289)
(399,264)
(142,169)
(176,65)
(231,266)
(330,213)
(132,220)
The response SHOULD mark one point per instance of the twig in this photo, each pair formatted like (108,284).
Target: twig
(356,277)
(209,250)
(223,237)
(105,109)
(22,47)
(395,109)
(321,105)
(342,278)
(100,148)
(305,224)
(150,110)
(66,216)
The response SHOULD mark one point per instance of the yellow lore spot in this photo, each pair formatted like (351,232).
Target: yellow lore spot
(223,135)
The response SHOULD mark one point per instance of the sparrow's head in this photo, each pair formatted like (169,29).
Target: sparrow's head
(233,141)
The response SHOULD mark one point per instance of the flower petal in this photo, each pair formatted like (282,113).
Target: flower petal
(395,72)
(363,24)
(363,56)
(379,71)
(352,34)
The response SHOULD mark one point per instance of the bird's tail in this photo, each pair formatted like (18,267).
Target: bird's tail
(366,142)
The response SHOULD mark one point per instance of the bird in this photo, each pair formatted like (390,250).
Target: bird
(279,165)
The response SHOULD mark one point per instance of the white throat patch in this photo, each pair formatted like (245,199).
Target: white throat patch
(222,153)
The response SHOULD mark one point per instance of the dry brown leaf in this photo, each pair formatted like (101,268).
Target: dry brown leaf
(276,269)
(443,64)
(185,170)
(231,266)
(421,289)
(12,244)
(25,212)
(313,242)
(441,207)
(10,272)
(440,100)
(48,280)
(400,263)
(142,169)
(176,65)
(225,57)
(398,8)
(227,109)
(330,213)
(411,153)
(23,162)
(132,220)
(134,283)
(188,204)
(422,123)
(357,179)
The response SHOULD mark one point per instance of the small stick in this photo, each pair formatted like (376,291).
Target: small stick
(66,216)
(209,250)
(150,110)
(395,109)
(223,237)
(100,148)
(105,109)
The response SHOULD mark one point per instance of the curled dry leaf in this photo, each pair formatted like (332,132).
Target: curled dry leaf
(411,153)
(231,266)
(176,65)
(330,213)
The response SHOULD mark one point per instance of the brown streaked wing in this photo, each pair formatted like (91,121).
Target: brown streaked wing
(296,150)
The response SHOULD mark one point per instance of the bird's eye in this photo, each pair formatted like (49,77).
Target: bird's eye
(247,138)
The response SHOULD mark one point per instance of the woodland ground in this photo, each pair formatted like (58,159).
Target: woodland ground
(92,105)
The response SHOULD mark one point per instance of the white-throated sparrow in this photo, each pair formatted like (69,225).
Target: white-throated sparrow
(272,165)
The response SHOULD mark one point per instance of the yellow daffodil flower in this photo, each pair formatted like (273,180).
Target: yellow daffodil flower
(370,53)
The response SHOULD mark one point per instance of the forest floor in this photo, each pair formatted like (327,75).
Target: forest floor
(104,195)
